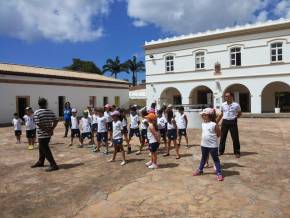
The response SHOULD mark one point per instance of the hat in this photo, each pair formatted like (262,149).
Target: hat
(207,111)
(107,106)
(28,108)
(115,113)
(170,105)
(85,112)
(151,116)
(74,110)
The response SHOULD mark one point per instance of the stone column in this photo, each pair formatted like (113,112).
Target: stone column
(256,103)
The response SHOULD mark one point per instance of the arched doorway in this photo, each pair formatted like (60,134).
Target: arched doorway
(276,94)
(170,96)
(201,95)
(242,96)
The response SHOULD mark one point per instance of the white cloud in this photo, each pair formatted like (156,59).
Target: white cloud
(186,16)
(56,20)
(139,23)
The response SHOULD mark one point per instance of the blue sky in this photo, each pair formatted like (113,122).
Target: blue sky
(51,33)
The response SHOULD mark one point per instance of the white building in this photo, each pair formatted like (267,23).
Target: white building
(137,95)
(251,61)
(21,86)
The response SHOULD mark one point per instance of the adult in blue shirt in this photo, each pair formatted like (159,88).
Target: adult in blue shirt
(67,117)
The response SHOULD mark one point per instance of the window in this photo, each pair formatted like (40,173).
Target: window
(105,100)
(92,101)
(199,60)
(235,56)
(276,52)
(169,63)
(117,101)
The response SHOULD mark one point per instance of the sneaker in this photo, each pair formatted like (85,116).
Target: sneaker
(123,163)
(138,152)
(111,160)
(105,152)
(148,163)
(220,177)
(30,147)
(197,173)
(153,166)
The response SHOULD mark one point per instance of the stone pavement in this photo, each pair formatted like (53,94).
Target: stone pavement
(256,185)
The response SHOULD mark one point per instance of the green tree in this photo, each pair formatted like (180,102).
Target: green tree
(114,66)
(134,67)
(83,66)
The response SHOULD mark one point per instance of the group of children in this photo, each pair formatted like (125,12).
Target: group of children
(30,127)
(109,126)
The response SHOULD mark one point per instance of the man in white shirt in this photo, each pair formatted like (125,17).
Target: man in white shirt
(230,112)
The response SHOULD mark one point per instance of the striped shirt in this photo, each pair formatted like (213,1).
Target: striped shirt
(45,117)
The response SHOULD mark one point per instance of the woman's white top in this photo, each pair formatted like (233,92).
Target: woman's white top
(161,122)
(170,125)
(108,116)
(134,121)
(209,138)
(124,122)
(74,122)
(143,123)
(29,122)
(95,119)
(102,121)
(117,129)
(17,123)
(85,123)
(150,136)
(180,122)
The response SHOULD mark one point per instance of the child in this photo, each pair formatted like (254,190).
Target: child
(107,114)
(117,137)
(162,123)
(95,117)
(171,133)
(144,126)
(102,133)
(85,127)
(30,127)
(134,126)
(75,131)
(124,121)
(209,143)
(154,140)
(182,125)
(17,127)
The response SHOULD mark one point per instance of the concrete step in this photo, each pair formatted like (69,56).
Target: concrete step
(266,115)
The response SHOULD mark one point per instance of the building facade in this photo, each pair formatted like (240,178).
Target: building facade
(137,95)
(22,86)
(251,61)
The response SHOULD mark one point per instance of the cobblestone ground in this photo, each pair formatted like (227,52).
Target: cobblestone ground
(256,185)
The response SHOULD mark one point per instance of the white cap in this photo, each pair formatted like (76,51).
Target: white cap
(170,105)
(207,111)
(73,110)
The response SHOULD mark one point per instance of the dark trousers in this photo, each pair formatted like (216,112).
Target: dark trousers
(67,125)
(44,152)
(214,154)
(231,125)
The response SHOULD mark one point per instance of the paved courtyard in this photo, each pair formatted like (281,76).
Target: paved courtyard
(256,185)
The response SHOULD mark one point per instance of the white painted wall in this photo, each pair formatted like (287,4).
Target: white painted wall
(137,94)
(78,96)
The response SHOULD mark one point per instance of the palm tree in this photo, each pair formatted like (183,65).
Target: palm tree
(114,66)
(135,67)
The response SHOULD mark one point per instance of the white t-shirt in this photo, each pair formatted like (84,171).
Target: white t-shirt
(143,123)
(102,121)
(161,122)
(124,122)
(150,136)
(209,138)
(17,123)
(108,116)
(74,122)
(230,111)
(85,124)
(170,125)
(117,129)
(95,118)
(134,121)
(181,123)
(29,122)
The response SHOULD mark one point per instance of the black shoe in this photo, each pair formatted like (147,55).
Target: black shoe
(37,165)
(49,169)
